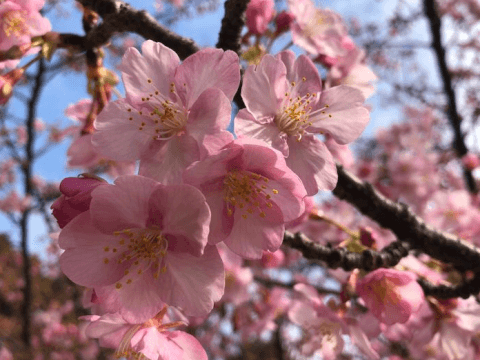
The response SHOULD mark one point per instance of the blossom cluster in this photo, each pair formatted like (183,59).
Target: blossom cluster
(150,240)
(206,212)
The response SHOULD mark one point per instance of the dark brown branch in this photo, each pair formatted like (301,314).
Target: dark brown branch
(347,260)
(404,224)
(119,16)
(231,31)
(232,24)
(29,190)
(452,113)
(464,290)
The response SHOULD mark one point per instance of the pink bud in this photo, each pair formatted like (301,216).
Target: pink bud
(470,161)
(283,21)
(7,82)
(259,13)
(368,237)
(76,198)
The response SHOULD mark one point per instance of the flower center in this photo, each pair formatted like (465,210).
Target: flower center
(14,23)
(294,116)
(248,192)
(165,118)
(141,249)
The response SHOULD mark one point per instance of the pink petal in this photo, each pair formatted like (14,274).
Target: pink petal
(119,138)
(192,349)
(221,224)
(193,283)
(136,302)
(289,197)
(185,217)
(246,125)
(123,205)
(206,69)
(82,153)
(303,314)
(105,325)
(288,58)
(212,169)
(81,232)
(210,114)
(264,87)
(349,116)
(251,236)
(156,345)
(168,165)
(158,63)
(212,144)
(313,163)
(141,299)
(85,265)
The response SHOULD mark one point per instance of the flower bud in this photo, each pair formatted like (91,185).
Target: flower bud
(75,199)
(7,82)
(283,21)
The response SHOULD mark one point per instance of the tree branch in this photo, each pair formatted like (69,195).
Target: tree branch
(347,260)
(29,190)
(452,113)
(119,16)
(404,224)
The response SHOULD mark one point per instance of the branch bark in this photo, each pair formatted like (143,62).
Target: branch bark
(452,112)
(404,224)
(29,191)
(119,16)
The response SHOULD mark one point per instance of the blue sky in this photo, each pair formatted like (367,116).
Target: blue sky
(68,88)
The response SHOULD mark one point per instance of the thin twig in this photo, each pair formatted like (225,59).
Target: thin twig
(452,112)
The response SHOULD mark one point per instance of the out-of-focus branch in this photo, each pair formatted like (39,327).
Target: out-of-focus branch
(452,113)
(347,260)
(269,283)
(404,224)
(27,166)
(464,290)
(119,16)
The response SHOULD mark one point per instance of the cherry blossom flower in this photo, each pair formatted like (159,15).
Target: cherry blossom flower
(169,110)
(76,197)
(351,70)
(252,194)
(149,240)
(322,328)
(82,153)
(258,14)
(319,31)
(285,106)
(21,20)
(391,295)
(149,340)
(237,277)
